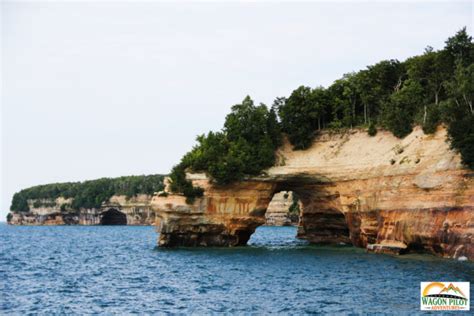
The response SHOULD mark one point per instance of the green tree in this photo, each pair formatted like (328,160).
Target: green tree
(320,101)
(431,70)
(461,88)
(299,117)
(246,121)
(458,112)
(377,83)
(351,96)
(273,127)
(340,105)
(372,131)
(460,47)
(400,109)
(461,135)
(245,146)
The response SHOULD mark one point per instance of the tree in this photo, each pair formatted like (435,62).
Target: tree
(461,135)
(273,128)
(319,98)
(461,88)
(299,116)
(246,121)
(459,113)
(372,131)
(351,95)
(19,203)
(340,103)
(460,47)
(377,83)
(365,92)
(245,146)
(431,70)
(400,109)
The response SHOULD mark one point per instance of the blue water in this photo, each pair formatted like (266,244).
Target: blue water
(118,270)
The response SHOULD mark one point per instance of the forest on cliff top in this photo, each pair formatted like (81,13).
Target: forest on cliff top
(436,87)
(87,194)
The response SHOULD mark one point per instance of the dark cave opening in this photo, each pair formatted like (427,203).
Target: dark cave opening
(113,217)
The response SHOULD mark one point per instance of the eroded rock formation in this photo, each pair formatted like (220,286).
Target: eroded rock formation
(119,210)
(381,193)
(279,210)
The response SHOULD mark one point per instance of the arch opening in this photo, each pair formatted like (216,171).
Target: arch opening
(283,209)
(113,217)
(316,213)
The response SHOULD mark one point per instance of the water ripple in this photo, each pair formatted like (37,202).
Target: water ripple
(119,270)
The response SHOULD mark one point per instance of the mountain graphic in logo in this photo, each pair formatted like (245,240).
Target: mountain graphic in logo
(449,291)
(453,290)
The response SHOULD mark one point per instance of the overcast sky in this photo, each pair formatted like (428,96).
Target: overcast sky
(102,90)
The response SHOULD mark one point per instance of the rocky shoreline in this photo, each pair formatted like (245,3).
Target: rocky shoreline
(119,210)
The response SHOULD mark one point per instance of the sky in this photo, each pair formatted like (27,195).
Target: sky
(106,89)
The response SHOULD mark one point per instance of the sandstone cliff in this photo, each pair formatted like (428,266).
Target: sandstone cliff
(382,193)
(119,210)
(278,212)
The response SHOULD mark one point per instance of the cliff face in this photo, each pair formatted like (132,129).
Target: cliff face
(278,211)
(381,193)
(117,211)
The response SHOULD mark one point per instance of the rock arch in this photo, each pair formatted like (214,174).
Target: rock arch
(229,215)
(351,192)
(347,212)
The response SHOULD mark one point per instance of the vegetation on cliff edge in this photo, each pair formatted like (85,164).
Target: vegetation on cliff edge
(87,194)
(245,146)
(433,88)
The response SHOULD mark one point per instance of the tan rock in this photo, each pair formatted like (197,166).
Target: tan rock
(137,211)
(278,211)
(350,192)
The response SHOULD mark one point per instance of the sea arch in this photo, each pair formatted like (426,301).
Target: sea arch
(228,215)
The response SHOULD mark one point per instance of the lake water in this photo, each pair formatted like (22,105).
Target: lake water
(118,270)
